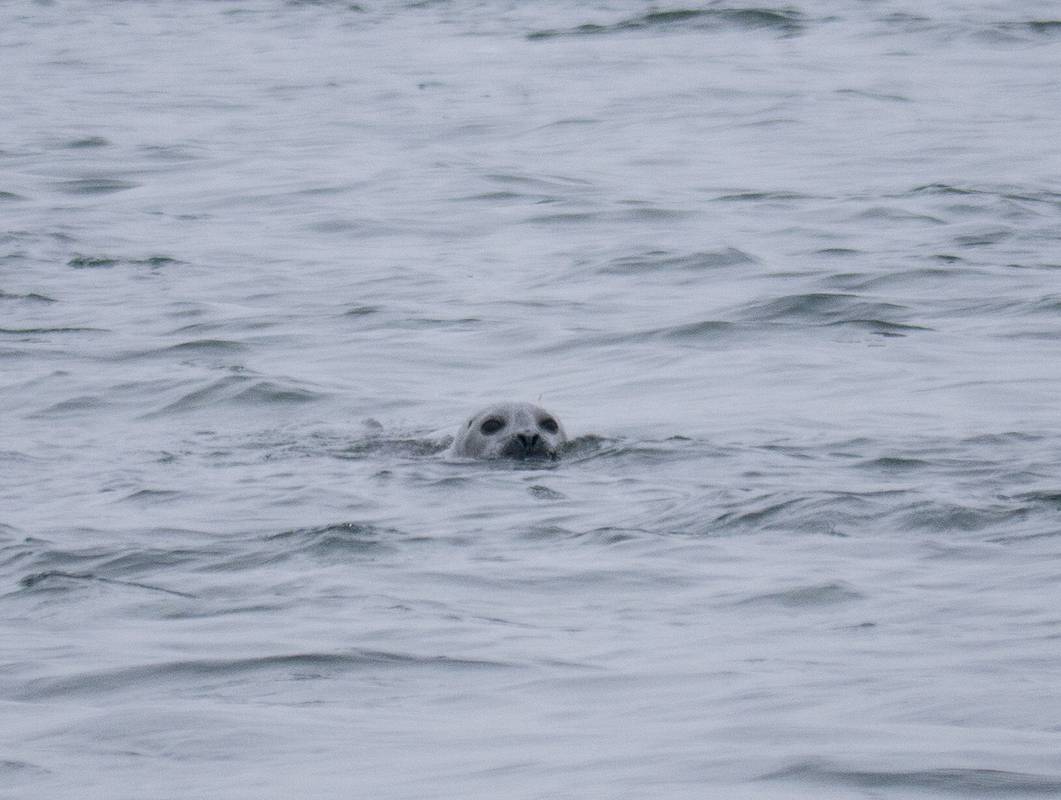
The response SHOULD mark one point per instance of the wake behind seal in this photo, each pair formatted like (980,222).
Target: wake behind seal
(519,431)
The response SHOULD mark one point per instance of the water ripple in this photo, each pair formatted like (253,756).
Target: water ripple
(781,21)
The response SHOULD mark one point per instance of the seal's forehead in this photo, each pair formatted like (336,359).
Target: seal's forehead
(527,413)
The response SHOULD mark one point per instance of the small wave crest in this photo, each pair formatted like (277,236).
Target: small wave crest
(196,671)
(783,22)
(961,782)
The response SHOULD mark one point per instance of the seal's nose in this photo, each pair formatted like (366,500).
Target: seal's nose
(530,441)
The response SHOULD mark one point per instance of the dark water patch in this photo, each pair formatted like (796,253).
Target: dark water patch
(87,142)
(36,331)
(360,227)
(57,580)
(943,188)
(10,197)
(336,539)
(245,324)
(757,513)
(570,218)
(152,496)
(118,562)
(780,21)
(837,252)
(11,769)
(820,308)
(269,392)
(604,536)
(984,238)
(893,464)
(156,262)
(1005,192)
(1052,26)
(361,311)
(340,5)
(501,197)
(648,213)
(890,98)
(95,186)
(879,327)
(693,331)
(539,181)
(7,532)
(827,513)
(545,493)
(173,153)
(825,594)
(136,561)
(759,197)
(103,262)
(1017,438)
(887,214)
(1041,498)
(413,323)
(72,405)
(956,782)
(1050,304)
(92,262)
(943,517)
(904,17)
(195,347)
(1025,30)
(198,672)
(239,390)
(909,278)
(32,297)
(663,261)
(208,346)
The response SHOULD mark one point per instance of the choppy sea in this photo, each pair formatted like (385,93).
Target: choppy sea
(790,275)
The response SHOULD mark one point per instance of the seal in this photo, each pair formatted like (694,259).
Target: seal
(511,430)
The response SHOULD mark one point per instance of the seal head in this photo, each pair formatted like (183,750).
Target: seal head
(511,430)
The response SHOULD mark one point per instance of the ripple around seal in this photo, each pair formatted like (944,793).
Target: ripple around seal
(959,782)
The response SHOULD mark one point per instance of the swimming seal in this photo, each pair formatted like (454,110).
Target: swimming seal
(511,430)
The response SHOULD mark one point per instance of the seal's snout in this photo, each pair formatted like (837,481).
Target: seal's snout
(526,445)
(530,441)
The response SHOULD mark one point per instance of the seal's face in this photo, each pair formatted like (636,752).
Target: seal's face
(511,430)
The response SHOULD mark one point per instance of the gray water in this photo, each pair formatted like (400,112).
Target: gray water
(789,275)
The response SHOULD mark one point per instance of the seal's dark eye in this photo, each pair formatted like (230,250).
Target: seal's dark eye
(549,424)
(492,425)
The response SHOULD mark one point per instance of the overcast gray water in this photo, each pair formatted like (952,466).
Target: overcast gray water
(790,276)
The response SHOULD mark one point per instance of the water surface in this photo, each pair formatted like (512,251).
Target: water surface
(789,275)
